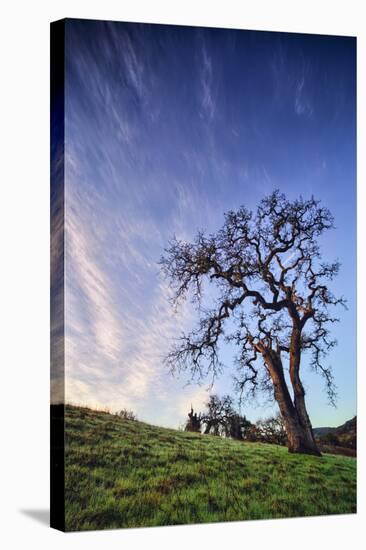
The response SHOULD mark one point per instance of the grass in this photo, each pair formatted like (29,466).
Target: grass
(121,473)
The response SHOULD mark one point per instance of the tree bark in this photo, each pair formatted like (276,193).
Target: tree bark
(300,438)
(298,389)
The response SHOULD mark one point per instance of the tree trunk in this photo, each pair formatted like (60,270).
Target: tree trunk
(299,392)
(299,438)
(208,428)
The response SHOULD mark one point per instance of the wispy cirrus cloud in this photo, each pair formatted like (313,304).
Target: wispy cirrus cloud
(132,65)
(291,78)
(119,323)
(164,134)
(115,334)
(302,104)
(208,103)
(57,275)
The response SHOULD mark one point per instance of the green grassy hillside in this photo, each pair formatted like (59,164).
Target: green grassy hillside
(122,473)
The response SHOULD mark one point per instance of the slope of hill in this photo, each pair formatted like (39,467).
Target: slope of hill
(123,473)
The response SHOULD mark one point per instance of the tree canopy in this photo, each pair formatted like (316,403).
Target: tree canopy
(270,279)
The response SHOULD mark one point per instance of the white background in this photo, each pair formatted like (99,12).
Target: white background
(24,273)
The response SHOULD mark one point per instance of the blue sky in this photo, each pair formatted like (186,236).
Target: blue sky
(166,128)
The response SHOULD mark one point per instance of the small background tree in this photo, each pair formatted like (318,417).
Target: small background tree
(126,414)
(193,423)
(272,430)
(217,415)
(219,418)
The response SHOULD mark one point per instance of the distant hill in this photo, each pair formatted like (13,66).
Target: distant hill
(344,436)
(348,427)
(125,473)
(323,431)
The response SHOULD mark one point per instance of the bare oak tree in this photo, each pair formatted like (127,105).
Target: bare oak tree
(218,414)
(272,430)
(193,423)
(272,286)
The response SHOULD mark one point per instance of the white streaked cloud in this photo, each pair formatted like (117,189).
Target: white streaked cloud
(207,84)
(291,81)
(133,64)
(119,323)
(128,192)
(83,273)
(302,103)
